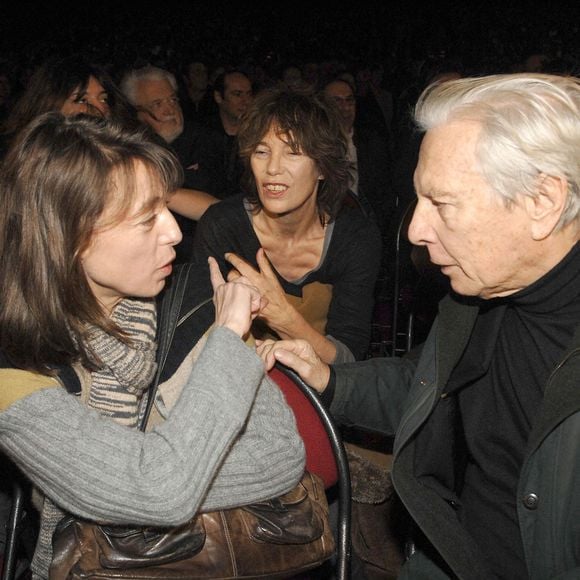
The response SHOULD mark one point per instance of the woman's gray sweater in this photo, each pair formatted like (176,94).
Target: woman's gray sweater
(229,440)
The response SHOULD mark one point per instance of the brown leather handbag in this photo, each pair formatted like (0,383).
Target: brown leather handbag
(278,538)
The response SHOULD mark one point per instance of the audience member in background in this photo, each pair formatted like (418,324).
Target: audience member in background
(198,102)
(291,78)
(233,94)
(375,106)
(314,260)
(311,75)
(69,85)
(368,151)
(153,92)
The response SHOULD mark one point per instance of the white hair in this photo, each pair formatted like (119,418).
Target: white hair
(131,79)
(530,125)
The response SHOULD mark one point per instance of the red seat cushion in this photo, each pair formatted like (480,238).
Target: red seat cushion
(319,455)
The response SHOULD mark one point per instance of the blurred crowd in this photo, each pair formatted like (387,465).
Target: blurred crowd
(402,46)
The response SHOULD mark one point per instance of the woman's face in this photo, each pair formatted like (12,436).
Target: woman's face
(286,180)
(93,101)
(134,256)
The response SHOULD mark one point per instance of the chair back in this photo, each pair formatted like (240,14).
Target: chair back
(17,490)
(299,394)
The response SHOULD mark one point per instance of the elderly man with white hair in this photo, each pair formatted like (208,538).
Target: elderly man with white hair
(153,92)
(487,446)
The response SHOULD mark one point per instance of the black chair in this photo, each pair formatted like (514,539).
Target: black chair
(343,548)
(402,326)
(19,524)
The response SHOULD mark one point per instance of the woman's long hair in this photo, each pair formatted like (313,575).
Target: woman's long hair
(54,81)
(57,179)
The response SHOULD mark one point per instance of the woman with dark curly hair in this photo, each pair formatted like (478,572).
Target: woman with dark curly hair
(69,85)
(72,86)
(314,259)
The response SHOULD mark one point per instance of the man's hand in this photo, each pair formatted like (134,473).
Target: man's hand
(298,355)
(237,303)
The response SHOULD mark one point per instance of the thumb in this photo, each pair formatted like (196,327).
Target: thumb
(264,263)
(215,274)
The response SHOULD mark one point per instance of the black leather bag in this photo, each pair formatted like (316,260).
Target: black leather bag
(278,538)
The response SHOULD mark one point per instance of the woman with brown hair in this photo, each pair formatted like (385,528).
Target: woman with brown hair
(86,243)
(314,260)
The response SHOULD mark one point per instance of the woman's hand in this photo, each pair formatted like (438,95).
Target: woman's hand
(237,302)
(279,312)
(298,355)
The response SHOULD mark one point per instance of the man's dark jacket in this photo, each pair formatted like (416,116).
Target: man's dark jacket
(391,393)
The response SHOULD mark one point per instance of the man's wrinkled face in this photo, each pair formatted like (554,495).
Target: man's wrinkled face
(158,106)
(482,245)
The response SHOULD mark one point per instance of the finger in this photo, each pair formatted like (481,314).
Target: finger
(291,360)
(267,355)
(263,344)
(268,360)
(264,264)
(215,274)
(233,274)
(240,264)
(264,349)
(255,305)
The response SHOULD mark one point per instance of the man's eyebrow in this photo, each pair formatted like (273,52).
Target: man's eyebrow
(436,193)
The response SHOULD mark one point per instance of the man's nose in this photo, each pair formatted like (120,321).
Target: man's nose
(418,230)
(169,107)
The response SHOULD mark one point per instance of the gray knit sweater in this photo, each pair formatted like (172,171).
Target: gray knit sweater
(229,440)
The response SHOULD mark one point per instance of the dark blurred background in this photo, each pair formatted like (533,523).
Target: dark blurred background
(486,36)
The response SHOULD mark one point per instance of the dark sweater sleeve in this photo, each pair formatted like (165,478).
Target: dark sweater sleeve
(225,227)
(371,394)
(352,263)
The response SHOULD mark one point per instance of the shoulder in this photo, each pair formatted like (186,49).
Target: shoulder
(16,384)
(226,224)
(351,224)
(228,210)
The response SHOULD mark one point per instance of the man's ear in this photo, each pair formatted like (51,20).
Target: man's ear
(217,97)
(546,207)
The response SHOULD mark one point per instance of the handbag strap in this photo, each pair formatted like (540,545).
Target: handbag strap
(167,318)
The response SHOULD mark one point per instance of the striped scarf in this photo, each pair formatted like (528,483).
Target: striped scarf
(116,390)
(128,369)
